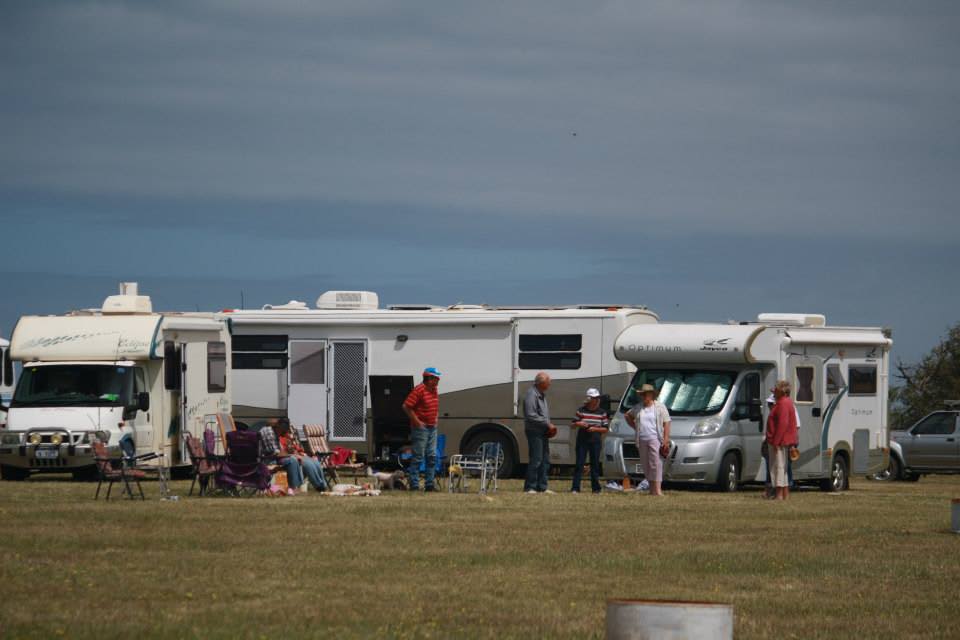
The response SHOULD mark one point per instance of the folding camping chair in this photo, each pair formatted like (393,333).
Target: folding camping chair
(242,472)
(406,455)
(110,473)
(204,465)
(486,462)
(333,461)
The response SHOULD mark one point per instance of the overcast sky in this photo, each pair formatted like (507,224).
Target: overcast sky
(709,159)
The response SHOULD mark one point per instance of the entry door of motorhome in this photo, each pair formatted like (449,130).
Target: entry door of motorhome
(348,390)
(307,382)
(806,380)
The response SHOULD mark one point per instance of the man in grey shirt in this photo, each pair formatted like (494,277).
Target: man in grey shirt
(536,424)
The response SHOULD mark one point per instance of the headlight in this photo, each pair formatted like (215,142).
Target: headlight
(35,438)
(56,439)
(11,438)
(707,427)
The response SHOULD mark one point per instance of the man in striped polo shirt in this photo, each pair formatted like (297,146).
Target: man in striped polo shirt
(422,406)
(591,423)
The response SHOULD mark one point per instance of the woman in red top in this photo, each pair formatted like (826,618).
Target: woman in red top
(781,435)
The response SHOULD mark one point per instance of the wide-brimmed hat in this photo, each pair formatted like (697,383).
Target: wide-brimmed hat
(647,388)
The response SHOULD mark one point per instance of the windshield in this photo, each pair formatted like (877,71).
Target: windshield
(74,384)
(684,392)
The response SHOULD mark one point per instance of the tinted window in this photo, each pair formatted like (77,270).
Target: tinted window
(863,380)
(6,373)
(259,343)
(216,367)
(804,384)
(307,362)
(259,361)
(748,394)
(552,342)
(937,424)
(835,381)
(549,360)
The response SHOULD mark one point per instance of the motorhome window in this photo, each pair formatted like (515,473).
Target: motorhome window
(6,375)
(748,394)
(863,380)
(260,343)
(216,367)
(259,360)
(549,361)
(551,342)
(937,424)
(139,381)
(684,392)
(835,381)
(804,384)
(307,362)
(74,384)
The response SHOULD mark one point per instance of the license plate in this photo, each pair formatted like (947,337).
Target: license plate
(46,454)
(639,469)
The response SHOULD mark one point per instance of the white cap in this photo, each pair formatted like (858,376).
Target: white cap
(593,393)
(771,399)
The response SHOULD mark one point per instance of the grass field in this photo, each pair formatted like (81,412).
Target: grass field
(876,561)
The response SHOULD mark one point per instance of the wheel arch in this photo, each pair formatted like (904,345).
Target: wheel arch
(495,427)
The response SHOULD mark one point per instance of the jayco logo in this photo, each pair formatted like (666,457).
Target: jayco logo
(716,345)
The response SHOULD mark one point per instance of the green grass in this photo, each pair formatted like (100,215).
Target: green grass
(877,561)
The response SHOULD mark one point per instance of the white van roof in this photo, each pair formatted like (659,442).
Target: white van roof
(85,337)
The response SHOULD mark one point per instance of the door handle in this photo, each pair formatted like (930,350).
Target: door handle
(816,412)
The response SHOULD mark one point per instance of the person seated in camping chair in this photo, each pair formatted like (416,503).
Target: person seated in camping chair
(279,446)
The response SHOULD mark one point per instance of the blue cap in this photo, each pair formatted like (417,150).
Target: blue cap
(432,371)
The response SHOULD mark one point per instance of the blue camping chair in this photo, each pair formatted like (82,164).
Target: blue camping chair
(406,455)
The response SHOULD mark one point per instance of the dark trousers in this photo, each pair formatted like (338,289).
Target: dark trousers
(539,447)
(592,447)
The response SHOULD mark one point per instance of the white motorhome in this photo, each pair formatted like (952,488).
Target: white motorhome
(105,373)
(349,364)
(7,379)
(714,377)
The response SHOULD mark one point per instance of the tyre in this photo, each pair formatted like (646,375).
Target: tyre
(892,472)
(509,462)
(13,473)
(839,479)
(728,476)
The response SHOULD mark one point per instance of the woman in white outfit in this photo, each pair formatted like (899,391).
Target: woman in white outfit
(651,420)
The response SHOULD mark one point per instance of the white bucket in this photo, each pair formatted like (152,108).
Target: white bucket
(955,515)
(668,620)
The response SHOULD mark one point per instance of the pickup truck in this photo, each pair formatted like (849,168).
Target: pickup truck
(932,445)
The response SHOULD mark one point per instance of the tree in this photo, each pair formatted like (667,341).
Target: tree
(926,385)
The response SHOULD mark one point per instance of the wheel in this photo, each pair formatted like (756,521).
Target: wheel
(508,455)
(728,476)
(14,473)
(86,474)
(838,480)
(892,472)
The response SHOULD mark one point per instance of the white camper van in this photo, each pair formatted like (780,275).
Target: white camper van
(714,377)
(100,374)
(349,364)
(7,380)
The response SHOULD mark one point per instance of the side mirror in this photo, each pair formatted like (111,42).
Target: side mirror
(754,412)
(605,403)
(143,401)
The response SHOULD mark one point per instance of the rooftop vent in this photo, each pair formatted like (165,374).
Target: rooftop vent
(127,301)
(793,319)
(354,300)
(294,305)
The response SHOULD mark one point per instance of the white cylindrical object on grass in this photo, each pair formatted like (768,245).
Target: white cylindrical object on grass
(668,620)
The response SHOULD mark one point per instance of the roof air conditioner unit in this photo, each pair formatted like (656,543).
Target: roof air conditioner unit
(354,300)
(293,305)
(127,301)
(793,319)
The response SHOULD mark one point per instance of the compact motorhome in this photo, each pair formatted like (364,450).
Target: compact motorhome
(6,379)
(349,364)
(714,377)
(106,373)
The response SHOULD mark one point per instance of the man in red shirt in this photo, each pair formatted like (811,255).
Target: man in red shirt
(781,435)
(422,406)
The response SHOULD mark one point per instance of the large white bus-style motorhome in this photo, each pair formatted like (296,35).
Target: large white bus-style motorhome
(349,364)
(714,377)
(107,373)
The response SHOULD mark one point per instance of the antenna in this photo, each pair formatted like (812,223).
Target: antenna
(241,299)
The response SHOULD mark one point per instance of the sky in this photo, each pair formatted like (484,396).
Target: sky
(710,159)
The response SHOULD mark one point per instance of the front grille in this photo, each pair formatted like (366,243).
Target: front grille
(45,462)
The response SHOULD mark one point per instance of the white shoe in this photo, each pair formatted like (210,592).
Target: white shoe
(549,492)
(303,487)
(531,491)
(574,491)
